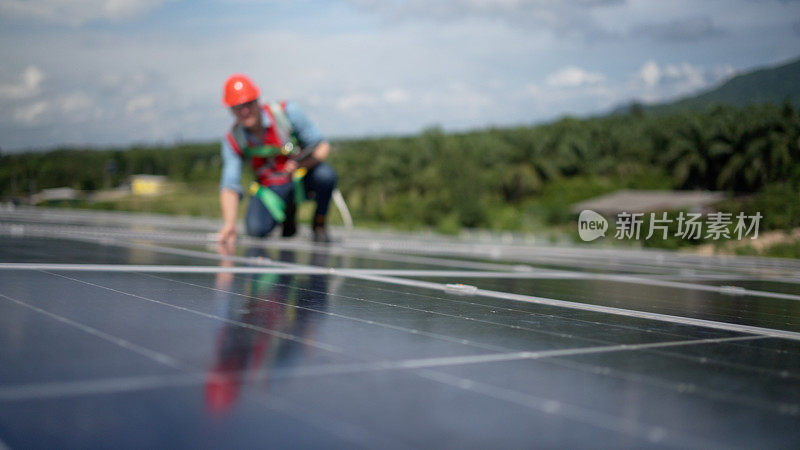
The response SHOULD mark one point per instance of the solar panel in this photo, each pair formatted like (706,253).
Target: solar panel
(135,331)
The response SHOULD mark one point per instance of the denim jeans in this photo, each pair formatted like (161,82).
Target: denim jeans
(319,182)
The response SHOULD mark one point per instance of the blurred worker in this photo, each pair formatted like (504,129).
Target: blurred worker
(286,152)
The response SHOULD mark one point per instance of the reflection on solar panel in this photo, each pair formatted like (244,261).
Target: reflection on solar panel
(124,330)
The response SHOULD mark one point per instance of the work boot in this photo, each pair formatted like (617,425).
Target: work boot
(290,224)
(320,234)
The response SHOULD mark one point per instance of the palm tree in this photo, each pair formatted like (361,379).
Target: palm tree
(690,156)
(745,146)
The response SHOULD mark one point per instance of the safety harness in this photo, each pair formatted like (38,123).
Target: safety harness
(269,159)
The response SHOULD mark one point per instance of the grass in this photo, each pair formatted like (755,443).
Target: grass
(549,214)
(188,199)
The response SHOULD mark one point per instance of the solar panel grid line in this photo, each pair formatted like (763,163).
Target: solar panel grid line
(278,334)
(467,342)
(166,360)
(495,267)
(605,253)
(649,433)
(78,232)
(154,268)
(634,266)
(667,305)
(371,322)
(692,286)
(428,285)
(353,433)
(422,310)
(103,237)
(234,258)
(105,386)
(108,233)
(342,316)
(512,274)
(122,218)
(501,349)
(387,272)
(453,299)
(597,414)
(597,259)
(202,255)
(386,256)
(533,274)
(608,419)
(688,388)
(276,270)
(94,386)
(725,277)
(484,380)
(781,374)
(142,351)
(760,370)
(628,267)
(703,360)
(452,316)
(192,252)
(597,308)
(522,252)
(472,251)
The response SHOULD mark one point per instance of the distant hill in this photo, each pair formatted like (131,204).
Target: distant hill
(769,84)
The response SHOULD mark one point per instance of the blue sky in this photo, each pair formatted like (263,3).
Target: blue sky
(117,72)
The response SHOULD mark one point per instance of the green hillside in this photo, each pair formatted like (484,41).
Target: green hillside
(766,85)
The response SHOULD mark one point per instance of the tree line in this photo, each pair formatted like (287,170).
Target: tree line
(469,177)
(493,177)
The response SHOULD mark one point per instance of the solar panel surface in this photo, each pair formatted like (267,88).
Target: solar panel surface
(130,331)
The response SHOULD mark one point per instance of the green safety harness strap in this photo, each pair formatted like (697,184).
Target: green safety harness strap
(264,151)
(272,201)
(299,186)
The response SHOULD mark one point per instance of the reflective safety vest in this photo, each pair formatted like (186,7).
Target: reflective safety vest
(269,159)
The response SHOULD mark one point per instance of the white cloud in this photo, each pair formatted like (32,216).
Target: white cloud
(355,100)
(28,114)
(650,73)
(653,82)
(73,107)
(399,67)
(571,77)
(28,86)
(395,95)
(561,17)
(688,76)
(140,104)
(76,12)
(685,29)
(75,102)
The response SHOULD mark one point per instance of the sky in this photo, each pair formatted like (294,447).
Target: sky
(114,73)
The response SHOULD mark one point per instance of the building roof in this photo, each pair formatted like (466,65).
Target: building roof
(649,201)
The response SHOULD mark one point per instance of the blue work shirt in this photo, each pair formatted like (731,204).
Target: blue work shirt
(308,135)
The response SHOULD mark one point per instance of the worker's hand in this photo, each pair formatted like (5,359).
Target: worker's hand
(227,234)
(291,166)
(224,280)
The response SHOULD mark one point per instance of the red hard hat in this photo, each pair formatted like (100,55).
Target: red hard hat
(239,89)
